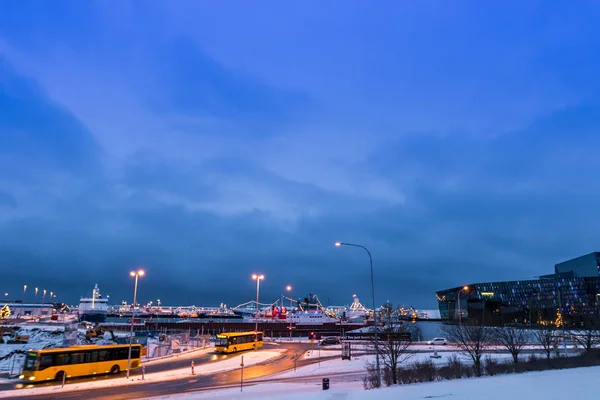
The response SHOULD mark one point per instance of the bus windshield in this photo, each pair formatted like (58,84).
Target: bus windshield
(30,362)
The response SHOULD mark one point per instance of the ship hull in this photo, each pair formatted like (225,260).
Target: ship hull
(92,317)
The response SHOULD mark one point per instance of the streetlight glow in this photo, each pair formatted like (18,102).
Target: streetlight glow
(289,313)
(375,325)
(257,278)
(136,275)
(462,289)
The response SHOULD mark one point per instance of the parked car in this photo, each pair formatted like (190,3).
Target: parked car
(329,340)
(438,341)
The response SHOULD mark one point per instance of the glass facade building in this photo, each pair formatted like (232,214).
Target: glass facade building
(574,289)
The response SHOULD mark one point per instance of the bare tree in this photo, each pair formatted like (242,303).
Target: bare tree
(472,340)
(544,336)
(589,335)
(512,338)
(394,343)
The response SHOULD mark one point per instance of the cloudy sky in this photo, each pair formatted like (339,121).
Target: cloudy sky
(206,141)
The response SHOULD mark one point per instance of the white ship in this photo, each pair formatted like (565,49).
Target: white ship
(357,312)
(311,317)
(93,309)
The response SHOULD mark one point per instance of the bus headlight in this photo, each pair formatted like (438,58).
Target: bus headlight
(32,378)
(21,376)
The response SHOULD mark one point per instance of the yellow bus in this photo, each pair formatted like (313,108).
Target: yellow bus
(233,342)
(70,362)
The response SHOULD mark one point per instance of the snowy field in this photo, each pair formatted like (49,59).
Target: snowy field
(40,337)
(576,384)
(358,364)
(250,358)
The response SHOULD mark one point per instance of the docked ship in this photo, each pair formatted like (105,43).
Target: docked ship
(312,317)
(94,308)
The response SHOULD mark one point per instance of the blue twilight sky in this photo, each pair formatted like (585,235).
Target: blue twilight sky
(205,141)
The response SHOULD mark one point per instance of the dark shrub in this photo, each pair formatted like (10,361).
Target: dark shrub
(370,380)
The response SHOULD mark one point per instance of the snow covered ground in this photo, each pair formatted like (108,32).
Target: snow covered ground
(40,337)
(358,364)
(250,358)
(578,383)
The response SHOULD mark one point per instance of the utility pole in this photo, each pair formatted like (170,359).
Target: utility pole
(242,375)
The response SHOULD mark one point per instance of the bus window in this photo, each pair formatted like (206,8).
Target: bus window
(104,355)
(77,358)
(135,352)
(91,356)
(30,362)
(63,359)
(45,361)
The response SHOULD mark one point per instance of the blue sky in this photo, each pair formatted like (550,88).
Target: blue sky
(457,140)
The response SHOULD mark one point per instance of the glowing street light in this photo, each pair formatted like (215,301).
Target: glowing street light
(36,290)
(289,289)
(257,278)
(135,274)
(44,296)
(339,244)
(465,289)
(24,288)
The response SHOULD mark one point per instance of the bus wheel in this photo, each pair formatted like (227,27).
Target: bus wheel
(60,375)
(114,369)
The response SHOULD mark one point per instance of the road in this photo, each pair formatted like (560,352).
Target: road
(258,373)
(186,384)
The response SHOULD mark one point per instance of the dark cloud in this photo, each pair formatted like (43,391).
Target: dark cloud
(495,223)
(36,133)
(192,83)
(469,202)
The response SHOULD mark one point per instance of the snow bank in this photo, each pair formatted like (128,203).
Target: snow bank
(578,383)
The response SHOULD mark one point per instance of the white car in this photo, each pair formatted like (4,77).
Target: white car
(438,341)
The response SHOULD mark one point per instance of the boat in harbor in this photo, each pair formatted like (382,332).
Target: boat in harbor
(94,308)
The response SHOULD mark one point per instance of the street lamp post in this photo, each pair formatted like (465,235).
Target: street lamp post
(257,278)
(338,244)
(289,289)
(135,274)
(465,288)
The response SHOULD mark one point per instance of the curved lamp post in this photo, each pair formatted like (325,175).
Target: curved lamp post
(464,288)
(257,278)
(135,274)
(339,244)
